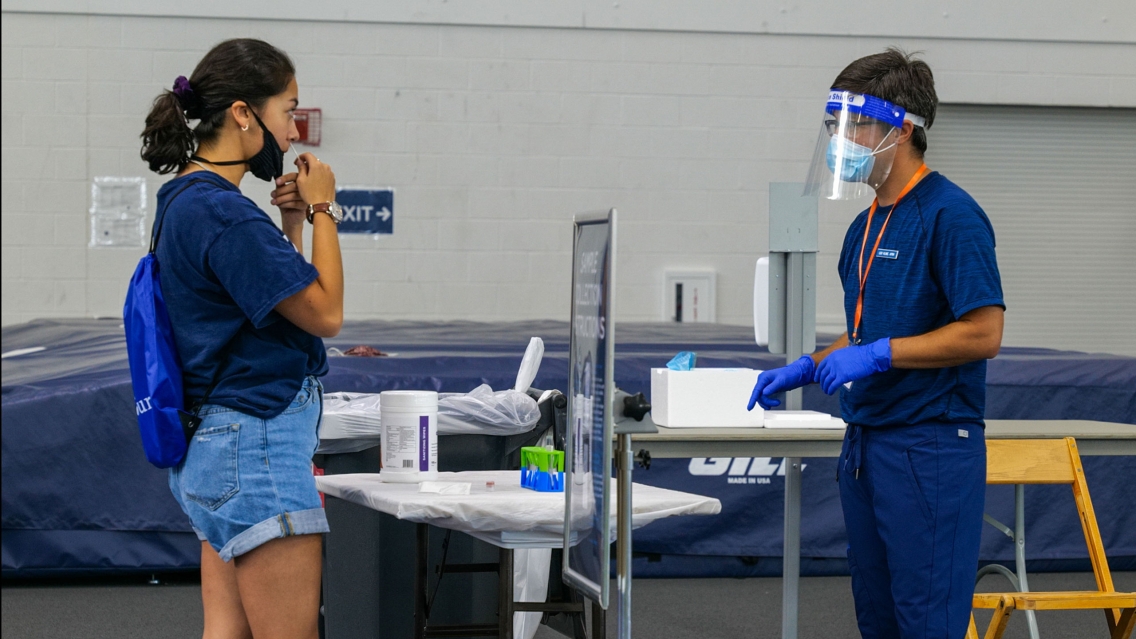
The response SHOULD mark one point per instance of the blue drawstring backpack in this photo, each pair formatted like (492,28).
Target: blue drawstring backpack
(155,368)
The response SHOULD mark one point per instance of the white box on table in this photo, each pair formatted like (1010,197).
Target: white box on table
(704,397)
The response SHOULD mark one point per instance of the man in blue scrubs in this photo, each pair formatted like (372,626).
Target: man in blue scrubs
(924,308)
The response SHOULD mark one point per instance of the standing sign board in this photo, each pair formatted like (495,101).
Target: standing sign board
(587,520)
(366,210)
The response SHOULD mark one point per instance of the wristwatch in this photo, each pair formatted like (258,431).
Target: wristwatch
(334,211)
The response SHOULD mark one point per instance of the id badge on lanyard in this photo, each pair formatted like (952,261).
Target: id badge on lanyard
(863,272)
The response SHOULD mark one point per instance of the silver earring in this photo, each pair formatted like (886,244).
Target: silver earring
(245,128)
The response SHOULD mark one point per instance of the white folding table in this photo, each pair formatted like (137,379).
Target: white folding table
(1093,438)
(508,517)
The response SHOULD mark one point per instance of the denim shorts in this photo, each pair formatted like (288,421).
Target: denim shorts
(246,481)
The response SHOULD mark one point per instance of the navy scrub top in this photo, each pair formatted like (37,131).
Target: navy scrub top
(934,264)
(224,266)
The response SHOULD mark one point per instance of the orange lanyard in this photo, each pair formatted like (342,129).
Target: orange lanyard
(871,258)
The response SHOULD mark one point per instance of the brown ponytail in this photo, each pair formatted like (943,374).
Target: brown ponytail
(167,140)
(241,69)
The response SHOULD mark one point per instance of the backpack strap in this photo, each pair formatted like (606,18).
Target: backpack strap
(160,219)
(190,421)
(208,391)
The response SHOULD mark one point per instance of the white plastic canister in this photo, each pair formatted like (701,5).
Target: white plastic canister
(409,435)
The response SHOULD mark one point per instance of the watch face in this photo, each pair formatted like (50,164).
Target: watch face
(336,211)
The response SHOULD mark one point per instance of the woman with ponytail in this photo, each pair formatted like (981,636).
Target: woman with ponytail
(248,314)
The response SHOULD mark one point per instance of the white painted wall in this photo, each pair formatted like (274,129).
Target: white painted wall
(495,135)
(1033,20)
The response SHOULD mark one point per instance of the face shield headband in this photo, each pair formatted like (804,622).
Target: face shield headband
(870,106)
(856,130)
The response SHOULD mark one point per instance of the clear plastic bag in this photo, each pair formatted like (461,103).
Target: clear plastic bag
(353,422)
(345,446)
(484,411)
(350,423)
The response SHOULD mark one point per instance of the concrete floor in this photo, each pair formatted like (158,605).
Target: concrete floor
(663,608)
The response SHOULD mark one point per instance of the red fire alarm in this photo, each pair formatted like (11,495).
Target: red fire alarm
(308,123)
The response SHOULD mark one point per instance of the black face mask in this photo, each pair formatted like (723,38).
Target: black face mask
(268,163)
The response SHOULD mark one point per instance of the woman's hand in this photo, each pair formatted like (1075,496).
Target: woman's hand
(315,180)
(318,309)
(287,197)
(293,209)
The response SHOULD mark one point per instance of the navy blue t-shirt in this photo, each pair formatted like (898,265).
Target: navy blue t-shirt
(934,264)
(224,266)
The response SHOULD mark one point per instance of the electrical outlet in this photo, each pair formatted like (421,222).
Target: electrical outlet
(688,296)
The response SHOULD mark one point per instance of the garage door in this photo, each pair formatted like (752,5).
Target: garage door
(1059,185)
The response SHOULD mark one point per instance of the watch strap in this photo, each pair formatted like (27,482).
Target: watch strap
(322,207)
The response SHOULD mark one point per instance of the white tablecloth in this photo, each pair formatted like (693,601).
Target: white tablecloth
(509,516)
(508,508)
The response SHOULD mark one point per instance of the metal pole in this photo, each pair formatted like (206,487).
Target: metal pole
(1020,551)
(791,553)
(794,318)
(421,580)
(599,621)
(624,464)
(505,594)
(791,566)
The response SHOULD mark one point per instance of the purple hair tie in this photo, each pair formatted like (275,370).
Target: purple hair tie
(187,98)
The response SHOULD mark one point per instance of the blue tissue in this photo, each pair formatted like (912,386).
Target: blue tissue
(684,361)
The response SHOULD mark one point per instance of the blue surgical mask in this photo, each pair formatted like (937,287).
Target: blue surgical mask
(857,163)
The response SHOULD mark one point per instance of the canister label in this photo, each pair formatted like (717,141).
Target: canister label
(424,443)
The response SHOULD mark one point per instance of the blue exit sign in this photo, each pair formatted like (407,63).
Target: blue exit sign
(366,210)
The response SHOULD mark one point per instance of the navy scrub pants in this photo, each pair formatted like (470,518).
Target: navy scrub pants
(913,498)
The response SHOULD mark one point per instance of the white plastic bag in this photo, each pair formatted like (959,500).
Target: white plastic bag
(487,412)
(344,446)
(482,411)
(350,416)
(530,584)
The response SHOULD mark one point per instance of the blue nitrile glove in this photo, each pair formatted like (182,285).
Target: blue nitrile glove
(786,378)
(852,363)
(684,361)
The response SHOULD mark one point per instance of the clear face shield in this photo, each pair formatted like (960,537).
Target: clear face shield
(856,146)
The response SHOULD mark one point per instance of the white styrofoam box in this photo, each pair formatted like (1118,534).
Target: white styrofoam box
(704,397)
(801,419)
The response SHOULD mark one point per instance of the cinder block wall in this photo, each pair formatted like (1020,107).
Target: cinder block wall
(493,137)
